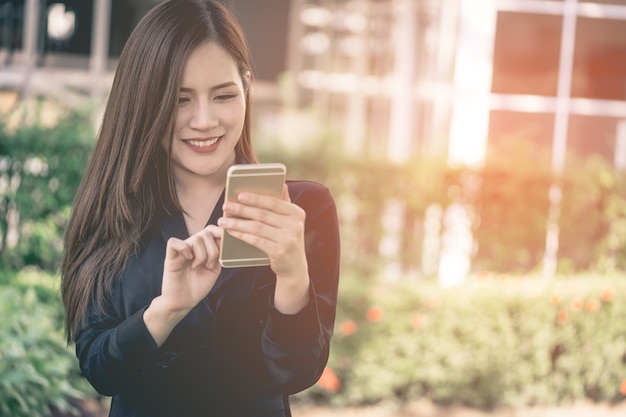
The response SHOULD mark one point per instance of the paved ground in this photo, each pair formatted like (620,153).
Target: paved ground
(425,409)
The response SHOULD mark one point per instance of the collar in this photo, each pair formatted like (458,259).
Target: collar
(173,225)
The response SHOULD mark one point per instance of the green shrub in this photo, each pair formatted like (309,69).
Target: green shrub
(40,167)
(510,203)
(495,342)
(507,198)
(38,371)
(498,341)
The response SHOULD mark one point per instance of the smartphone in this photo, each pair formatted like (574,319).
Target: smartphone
(265,178)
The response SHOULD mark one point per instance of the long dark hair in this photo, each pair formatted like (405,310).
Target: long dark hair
(128,177)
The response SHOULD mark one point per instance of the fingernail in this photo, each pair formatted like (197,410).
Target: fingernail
(222,222)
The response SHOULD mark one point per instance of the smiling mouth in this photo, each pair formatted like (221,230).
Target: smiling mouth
(203,143)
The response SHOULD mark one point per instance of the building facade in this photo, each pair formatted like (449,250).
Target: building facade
(60,47)
(420,77)
(405,78)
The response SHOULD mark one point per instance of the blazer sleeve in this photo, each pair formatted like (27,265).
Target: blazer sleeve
(297,346)
(109,351)
(118,355)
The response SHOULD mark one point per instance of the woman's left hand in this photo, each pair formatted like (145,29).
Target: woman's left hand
(275,226)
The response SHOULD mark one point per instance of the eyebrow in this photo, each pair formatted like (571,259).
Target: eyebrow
(215,87)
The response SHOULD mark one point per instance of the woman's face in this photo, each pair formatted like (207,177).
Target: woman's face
(210,117)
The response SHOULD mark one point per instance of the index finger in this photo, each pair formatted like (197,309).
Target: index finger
(264,201)
(177,247)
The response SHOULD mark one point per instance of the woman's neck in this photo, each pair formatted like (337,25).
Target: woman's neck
(198,187)
(198,196)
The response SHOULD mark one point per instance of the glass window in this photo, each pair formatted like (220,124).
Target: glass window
(607,1)
(592,135)
(600,59)
(526,54)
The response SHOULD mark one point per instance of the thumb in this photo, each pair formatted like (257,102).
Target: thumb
(286,196)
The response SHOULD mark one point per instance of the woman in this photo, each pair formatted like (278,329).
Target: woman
(158,325)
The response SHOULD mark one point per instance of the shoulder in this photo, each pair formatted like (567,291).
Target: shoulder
(304,188)
(310,194)
(321,225)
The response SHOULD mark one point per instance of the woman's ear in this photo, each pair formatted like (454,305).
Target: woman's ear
(246,81)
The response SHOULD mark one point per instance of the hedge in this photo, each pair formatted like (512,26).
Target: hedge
(507,199)
(39,374)
(498,341)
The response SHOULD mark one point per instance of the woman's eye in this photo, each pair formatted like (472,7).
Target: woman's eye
(224,97)
(182,100)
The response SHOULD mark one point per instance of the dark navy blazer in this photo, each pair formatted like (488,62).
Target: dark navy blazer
(234,355)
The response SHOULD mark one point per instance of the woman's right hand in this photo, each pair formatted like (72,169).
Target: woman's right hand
(190,270)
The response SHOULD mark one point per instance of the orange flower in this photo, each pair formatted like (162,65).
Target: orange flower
(433,302)
(483,274)
(418,321)
(374,314)
(592,306)
(608,294)
(555,299)
(329,380)
(348,327)
(577,304)
(562,316)
(622,387)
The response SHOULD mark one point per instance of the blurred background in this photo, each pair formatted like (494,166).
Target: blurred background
(476,150)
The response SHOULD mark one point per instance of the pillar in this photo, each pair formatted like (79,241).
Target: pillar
(98,60)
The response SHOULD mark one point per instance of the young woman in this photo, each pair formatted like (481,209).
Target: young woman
(158,325)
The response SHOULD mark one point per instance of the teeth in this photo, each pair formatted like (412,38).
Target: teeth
(203,143)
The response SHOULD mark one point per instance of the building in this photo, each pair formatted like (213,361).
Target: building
(457,78)
(69,48)
(403,77)
(421,77)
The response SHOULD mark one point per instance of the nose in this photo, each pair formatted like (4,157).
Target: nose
(204,116)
